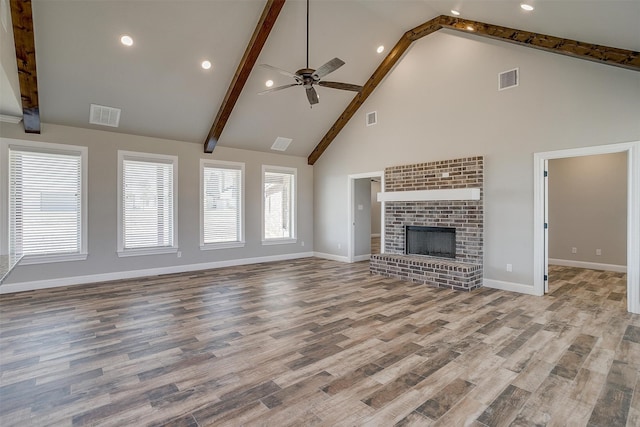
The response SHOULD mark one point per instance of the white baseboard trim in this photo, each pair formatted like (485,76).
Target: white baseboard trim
(331,257)
(132,274)
(375,234)
(359,258)
(589,265)
(510,286)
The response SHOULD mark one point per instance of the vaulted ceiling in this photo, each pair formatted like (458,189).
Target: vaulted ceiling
(163,92)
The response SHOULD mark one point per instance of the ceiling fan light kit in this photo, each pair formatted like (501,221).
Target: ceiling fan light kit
(308,77)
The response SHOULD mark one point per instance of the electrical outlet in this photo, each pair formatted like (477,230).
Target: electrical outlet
(339,246)
(509,267)
(598,252)
(179,253)
(574,250)
(302,243)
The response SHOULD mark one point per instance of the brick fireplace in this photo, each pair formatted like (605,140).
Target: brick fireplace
(431,203)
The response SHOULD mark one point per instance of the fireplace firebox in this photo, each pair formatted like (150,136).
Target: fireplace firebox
(432,241)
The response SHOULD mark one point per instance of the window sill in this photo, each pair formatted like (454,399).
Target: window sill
(222,245)
(147,251)
(278,242)
(46,259)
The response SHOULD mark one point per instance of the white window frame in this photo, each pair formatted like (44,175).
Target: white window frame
(294,206)
(6,145)
(146,157)
(204,163)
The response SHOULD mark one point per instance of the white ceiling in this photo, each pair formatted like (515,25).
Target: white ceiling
(163,92)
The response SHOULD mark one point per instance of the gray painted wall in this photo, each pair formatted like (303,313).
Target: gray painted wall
(441,102)
(102,169)
(362,216)
(376,208)
(588,208)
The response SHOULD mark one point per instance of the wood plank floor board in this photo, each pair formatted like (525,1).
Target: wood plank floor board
(316,342)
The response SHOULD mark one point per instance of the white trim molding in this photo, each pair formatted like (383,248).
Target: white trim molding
(589,265)
(6,145)
(10,119)
(633,213)
(149,158)
(427,195)
(511,287)
(293,215)
(132,274)
(220,164)
(331,257)
(351,182)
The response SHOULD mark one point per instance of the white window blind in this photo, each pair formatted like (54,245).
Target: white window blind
(222,203)
(147,203)
(278,194)
(45,202)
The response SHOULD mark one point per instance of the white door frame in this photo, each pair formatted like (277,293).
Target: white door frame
(351,182)
(633,213)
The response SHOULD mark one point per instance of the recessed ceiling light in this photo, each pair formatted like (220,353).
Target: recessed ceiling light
(455,12)
(206,65)
(126,40)
(268,83)
(380,49)
(470,28)
(527,7)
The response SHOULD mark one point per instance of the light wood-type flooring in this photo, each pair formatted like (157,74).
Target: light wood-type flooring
(316,342)
(375,245)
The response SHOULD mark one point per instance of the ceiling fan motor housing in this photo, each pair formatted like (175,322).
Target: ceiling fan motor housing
(307,77)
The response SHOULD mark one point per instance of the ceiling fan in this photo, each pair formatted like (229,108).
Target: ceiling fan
(308,77)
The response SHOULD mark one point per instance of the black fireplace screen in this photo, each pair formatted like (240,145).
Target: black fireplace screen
(433,241)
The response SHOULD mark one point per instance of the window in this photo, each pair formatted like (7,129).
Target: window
(47,202)
(147,212)
(278,209)
(221,204)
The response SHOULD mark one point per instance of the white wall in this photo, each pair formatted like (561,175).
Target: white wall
(102,169)
(588,209)
(441,102)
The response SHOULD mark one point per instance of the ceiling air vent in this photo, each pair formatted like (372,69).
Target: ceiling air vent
(105,116)
(281,143)
(508,79)
(372,118)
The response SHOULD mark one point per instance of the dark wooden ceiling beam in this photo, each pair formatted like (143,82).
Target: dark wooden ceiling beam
(378,75)
(22,18)
(260,34)
(606,55)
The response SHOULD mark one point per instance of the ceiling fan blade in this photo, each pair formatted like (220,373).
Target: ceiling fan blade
(312,95)
(329,67)
(281,71)
(342,86)
(274,89)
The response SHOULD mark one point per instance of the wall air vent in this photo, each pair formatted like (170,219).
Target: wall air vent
(372,118)
(281,143)
(508,79)
(105,116)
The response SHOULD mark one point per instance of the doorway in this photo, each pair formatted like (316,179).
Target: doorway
(587,217)
(362,219)
(541,205)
